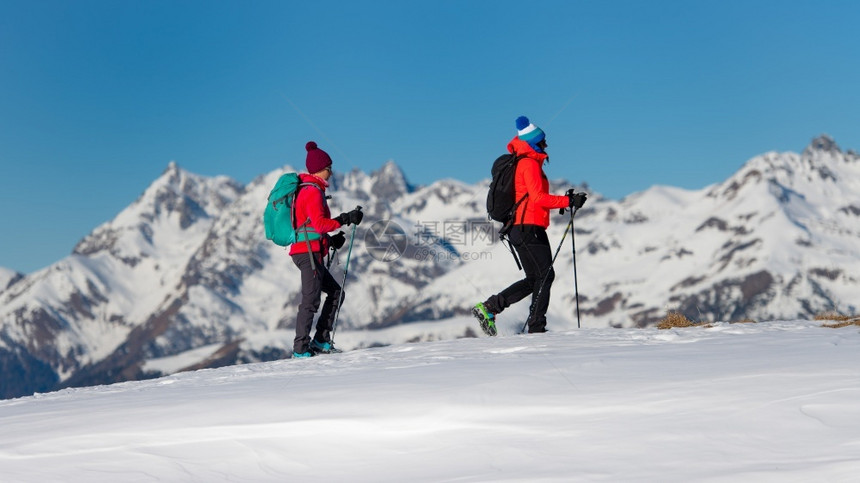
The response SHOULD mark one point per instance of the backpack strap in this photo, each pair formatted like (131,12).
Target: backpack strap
(306,224)
(308,241)
(296,194)
(510,224)
(517,158)
(507,242)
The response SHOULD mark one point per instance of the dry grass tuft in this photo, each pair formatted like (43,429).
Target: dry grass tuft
(835,316)
(839,325)
(841,320)
(674,319)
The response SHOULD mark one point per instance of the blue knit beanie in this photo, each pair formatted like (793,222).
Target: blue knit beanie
(529,133)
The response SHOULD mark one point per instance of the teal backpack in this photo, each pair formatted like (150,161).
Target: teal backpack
(278,215)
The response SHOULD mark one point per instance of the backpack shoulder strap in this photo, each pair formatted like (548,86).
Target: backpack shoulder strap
(517,158)
(296,196)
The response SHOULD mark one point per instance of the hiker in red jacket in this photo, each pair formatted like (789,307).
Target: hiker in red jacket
(313,221)
(528,234)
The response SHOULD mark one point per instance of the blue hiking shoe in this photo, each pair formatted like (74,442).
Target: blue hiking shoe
(486,319)
(320,347)
(301,355)
(323,347)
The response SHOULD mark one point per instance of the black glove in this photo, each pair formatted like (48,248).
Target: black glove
(337,240)
(352,217)
(576,200)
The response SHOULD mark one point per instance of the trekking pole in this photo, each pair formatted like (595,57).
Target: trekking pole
(343,283)
(543,282)
(575,285)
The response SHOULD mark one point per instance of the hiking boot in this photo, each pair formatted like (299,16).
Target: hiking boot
(302,355)
(537,327)
(321,347)
(486,319)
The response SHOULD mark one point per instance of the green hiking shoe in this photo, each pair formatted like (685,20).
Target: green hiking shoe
(486,319)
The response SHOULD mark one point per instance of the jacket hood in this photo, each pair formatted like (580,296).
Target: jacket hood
(309,178)
(519,146)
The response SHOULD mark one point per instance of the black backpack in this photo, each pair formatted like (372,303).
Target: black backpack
(501,205)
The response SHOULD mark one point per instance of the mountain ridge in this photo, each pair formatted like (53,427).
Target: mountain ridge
(186,265)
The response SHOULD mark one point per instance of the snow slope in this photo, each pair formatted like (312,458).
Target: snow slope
(774,401)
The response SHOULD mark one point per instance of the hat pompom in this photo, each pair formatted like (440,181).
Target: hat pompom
(529,133)
(310,146)
(522,123)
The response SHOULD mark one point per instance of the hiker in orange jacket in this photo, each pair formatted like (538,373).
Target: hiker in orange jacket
(528,234)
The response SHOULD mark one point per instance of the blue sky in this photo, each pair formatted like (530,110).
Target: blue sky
(97,97)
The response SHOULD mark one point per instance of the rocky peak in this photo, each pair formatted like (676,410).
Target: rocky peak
(815,166)
(822,144)
(178,195)
(191,196)
(173,171)
(389,182)
(8,277)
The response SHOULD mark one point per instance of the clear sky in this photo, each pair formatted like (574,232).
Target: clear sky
(97,97)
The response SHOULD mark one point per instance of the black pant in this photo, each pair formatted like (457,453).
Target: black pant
(315,280)
(532,247)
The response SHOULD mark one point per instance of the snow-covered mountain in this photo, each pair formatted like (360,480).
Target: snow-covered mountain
(184,278)
(8,277)
(777,239)
(86,306)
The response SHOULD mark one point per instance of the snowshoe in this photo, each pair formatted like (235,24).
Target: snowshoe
(302,355)
(485,318)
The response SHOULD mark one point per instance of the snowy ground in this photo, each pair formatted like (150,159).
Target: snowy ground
(773,401)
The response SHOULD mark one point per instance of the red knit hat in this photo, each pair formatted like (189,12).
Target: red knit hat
(317,160)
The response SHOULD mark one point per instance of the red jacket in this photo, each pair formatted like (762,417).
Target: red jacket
(530,178)
(311,204)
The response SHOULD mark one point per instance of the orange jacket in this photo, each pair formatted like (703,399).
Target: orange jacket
(311,204)
(530,178)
